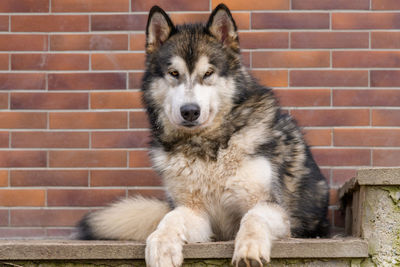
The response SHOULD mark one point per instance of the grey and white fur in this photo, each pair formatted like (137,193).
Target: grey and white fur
(233,165)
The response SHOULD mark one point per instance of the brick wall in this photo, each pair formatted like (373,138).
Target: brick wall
(73,130)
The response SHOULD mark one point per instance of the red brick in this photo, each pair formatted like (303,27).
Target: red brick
(318,137)
(49,100)
(119,22)
(137,41)
(3,217)
(50,23)
(3,180)
(124,178)
(49,177)
(272,78)
(131,139)
(91,158)
(4,139)
(385,4)
(4,23)
(366,59)
(123,61)
(3,100)
(342,157)
(20,158)
(23,120)
(242,19)
(135,80)
(365,21)
(385,78)
(330,4)
(138,119)
(340,176)
(116,100)
(13,6)
(254,4)
(329,78)
(4,61)
(66,42)
(13,233)
(139,159)
(50,140)
(89,6)
(303,97)
(290,21)
(83,197)
(329,40)
(291,59)
(366,137)
(88,120)
(23,81)
(332,117)
(23,42)
(87,81)
(333,197)
(253,40)
(43,217)
(171,5)
(22,197)
(49,62)
(148,193)
(388,40)
(60,233)
(386,157)
(386,117)
(360,97)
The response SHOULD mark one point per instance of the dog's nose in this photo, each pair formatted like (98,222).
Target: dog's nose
(190,112)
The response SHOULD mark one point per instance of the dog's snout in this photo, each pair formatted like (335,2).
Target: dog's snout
(190,112)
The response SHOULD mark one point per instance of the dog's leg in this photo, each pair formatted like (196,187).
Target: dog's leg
(164,245)
(261,225)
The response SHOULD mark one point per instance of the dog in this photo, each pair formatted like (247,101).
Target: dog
(234,166)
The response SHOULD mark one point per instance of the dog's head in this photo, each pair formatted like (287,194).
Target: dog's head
(190,69)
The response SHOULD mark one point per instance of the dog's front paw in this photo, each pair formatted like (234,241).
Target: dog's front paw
(164,250)
(251,250)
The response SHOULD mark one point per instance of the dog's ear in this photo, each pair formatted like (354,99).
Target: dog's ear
(158,30)
(222,26)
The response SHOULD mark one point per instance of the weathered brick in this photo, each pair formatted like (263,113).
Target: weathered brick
(120,61)
(88,158)
(4,139)
(50,140)
(171,5)
(137,41)
(342,157)
(116,100)
(14,6)
(388,40)
(329,40)
(340,176)
(83,197)
(380,97)
(139,159)
(303,97)
(385,157)
(332,117)
(124,178)
(138,119)
(49,101)
(366,59)
(60,233)
(49,62)
(23,120)
(88,120)
(318,137)
(3,100)
(66,42)
(365,21)
(49,177)
(290,21)
(385,78)
(351,78)
(330,4)
(89,6)
(3,217)
(385,5)
(131,139)
(386,117)
(291,59)
(22,232)
(44,217)
(4,61)
(22,81)
(50,23)
(21,158)
(118,22)
(272,78)
(86,81)
(254,40)
(254,4)
(22,197)
(4,23)
(23,42)
(242,19)
(367,137)
(135,80)
(3,182)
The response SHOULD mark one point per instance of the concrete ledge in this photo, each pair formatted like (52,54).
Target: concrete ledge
(117,250)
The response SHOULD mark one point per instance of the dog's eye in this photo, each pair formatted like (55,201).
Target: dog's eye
(208,73)
(174,73)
